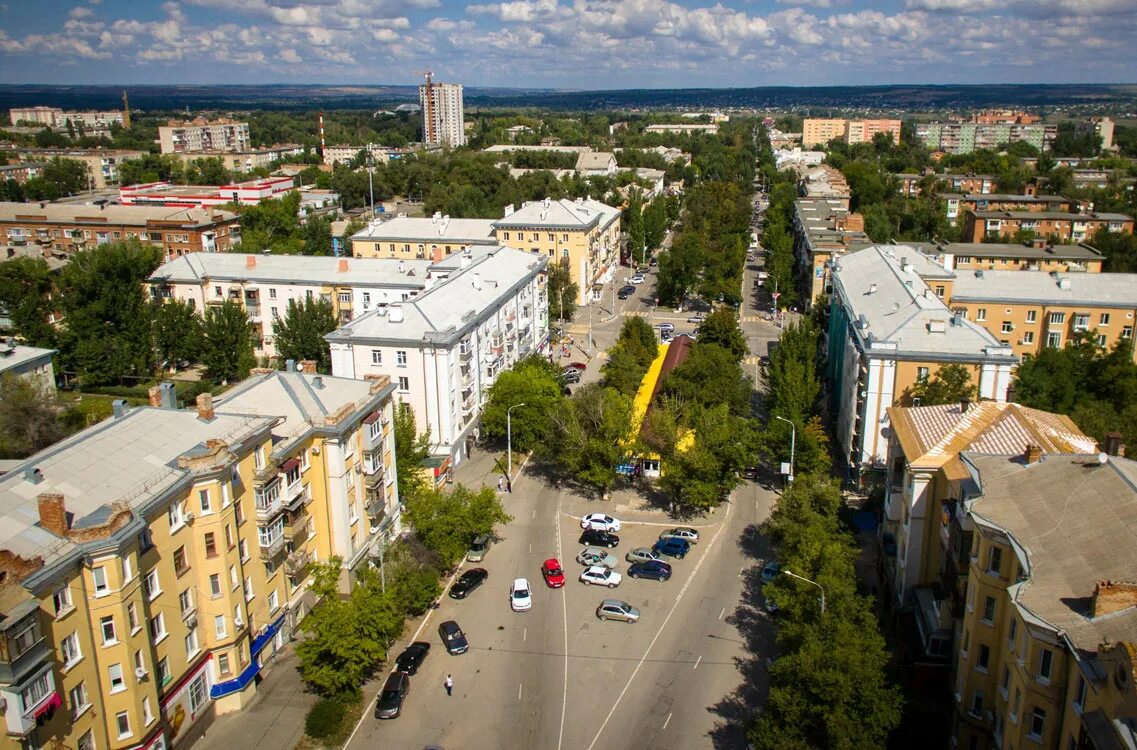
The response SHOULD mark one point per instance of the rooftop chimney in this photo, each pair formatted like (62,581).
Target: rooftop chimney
(290,365)
(169,395)
(205,407)
(395,313)
(1110,597)
(964,405)
(308,365)
(343,265)
(250,261)
(118,406)
(1032,454)
(1113,444)
(53,514)
(154,395)
(317,382)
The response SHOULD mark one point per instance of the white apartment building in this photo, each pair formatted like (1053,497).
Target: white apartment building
(442,114)
(201,135)
(445,348)
(265,284)
(54,117)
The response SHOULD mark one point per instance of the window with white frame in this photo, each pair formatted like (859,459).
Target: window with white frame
(1057,318)
(147,712)
(989,610)
(401,358)
(1054,339)
(1079,699)
(214,585)
(191,643)
(164,674)
(994,560)
(107,628)
(981,314)
(157,627)
(249,595)
(223,668)
(185,602)
(132,617)
(977,703)
(87,741)
(983,661)
(114,674)
(1037,723)
(1028,337)
(204,500)
(127,568)
(1103,319)
(219,627)
(79,700)
(1007,326)
(70,651)
(376,356)
(404,383)
(273,601)
(175,516)
(99,575)
(122,722)
(197,694)
(62,601)
(1032,316)
(1045,665)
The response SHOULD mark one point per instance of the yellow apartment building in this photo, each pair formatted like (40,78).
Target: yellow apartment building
(1045,654)
(999,256)
(417,238)
(151,564)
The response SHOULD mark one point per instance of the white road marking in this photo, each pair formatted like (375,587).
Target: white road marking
(564,615)
(659,632)
(722,613)
(530,548)
(525,634)
(519,691)
(534,513)
(668,721)
(697,662)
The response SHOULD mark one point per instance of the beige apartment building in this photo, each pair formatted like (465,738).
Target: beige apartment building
(416,238)
(102,163)
(999,256)
(68,227)
(820,131)
(1060,226)
(958,204)
(154,563)
(201,135)
(824,229)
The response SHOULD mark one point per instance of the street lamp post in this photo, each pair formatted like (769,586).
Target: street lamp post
(793,443)
(814,583)
(509,441)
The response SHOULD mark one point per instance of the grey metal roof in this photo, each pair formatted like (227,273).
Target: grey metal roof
(427,230)
(1040,287)
(1010,250)
(578,214)
(195,268)
(1052,215)
(15,356)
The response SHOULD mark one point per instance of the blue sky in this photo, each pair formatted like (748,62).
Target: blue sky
(590,44)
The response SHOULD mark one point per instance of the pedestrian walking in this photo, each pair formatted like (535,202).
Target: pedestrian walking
(501,484)
(449,685)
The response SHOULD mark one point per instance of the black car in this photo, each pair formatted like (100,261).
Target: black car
(597,538)
(626,291)
(453,638)
(390,703)
(656,569)
(412,657)
(467,582)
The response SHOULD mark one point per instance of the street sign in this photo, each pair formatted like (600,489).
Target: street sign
(786,468)
(628,469)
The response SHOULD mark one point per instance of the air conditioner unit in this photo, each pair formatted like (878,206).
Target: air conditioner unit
(315,450)
(140,673)
(191,621)
(188,518)
(239,622)
(359,468)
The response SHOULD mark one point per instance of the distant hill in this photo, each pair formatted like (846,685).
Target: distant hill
(312,96)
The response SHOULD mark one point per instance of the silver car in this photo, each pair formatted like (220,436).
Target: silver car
(683,532)
(642,554)
(590,556)
(615,609)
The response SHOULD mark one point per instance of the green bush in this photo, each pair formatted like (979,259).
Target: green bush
(325,718)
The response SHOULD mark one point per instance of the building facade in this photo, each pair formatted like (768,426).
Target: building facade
(965,137)
(410,238)
(444,350)
(67,227)
(998,256)
(958,204)
(201,135)
(247,160)
(88,123)
(824,229)
(1059,226)
(443,114)
(820,131)
(102,163)
(248,193)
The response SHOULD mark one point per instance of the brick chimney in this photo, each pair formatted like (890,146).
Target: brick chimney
(53,514)
(1113,444)
(343,265)
(155,396)
(205,407)
(1110,597)
(308,365)
(1032,454)
(250,261)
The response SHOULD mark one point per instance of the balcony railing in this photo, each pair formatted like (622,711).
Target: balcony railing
(253,309)
(372,433)
(468,404)
(37,654)
(298,526)
(273,543)
(296,493)
(268,500)
(465,352)
(376,506)
(297,562)
(466,379)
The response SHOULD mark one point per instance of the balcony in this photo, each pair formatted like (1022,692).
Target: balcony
(466,379)
(268,472)
(253,309)
(298,526)
(296,562)
(34,655)
(268,500)
(272,541)
(511,316)
(372,432)
(468,404)
(465,353)
(376,506)
(496,344)
(297,495)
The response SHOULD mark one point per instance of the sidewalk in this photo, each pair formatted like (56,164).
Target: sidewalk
(480,468)
(275,719)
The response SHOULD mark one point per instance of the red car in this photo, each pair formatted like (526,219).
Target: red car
(554,576)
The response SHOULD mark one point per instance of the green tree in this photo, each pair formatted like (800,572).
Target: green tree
(272,225)
(411,449)
(534,382)
(227,346)
(590,435)
(950,385)
(634,220)
(28,416)
(710,376)
(563,292)
(655,223)
(106,334)
(699,475)
(721,327)
(792,384)
(210,171)
(317,234)
(631,356)
(446,522)
(300,333)
(177,332)
(25,289)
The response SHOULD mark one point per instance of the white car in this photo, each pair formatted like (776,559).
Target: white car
(637,279)
(643,554)
(599,576)
(600,522)
(682,532)
(593,556)
(520,596)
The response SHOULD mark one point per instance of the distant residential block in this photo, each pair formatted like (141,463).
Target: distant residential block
(88,123)
(819,132)
(415,238)
(201,135)
(102,163)
(443,114)
(689,129)
(1063,226)
(957,204)
(965,137)
(246,161)
(29,362)
(199,196)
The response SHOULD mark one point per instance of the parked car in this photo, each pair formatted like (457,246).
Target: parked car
(479,548)
(582,366)
(598,575)
(453,638)
(637,279)
(616,609)
(667,327)
(520,597)
(771,570)
(626,291)
(412,657)
(570,377)
(597,538)
(660,571)
(696,318)
(682,532)
(590,556)
(652,261)
(600,521)
(642,554)
(770,605)
(672,547)
(552,573)
(467,582)
(390,703)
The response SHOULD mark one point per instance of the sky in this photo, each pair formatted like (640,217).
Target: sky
(569,44)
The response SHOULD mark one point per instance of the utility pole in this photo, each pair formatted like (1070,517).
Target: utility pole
(814,583)
(509,442)
(793,445)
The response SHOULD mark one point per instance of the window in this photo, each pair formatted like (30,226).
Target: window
(185,601)
(87,741)
(308,294)
(345,298)
(1057,318)
(223,664)
(106,626)
(249,595)
(197,692)
(243,548)
(984,660)
(1080,695)
(1028,337)
(366,299)
(989,610)
(1100,340)
(238,514)
(122,721)
(977,703)
(1045,665)
(1081,321)
(157,627)
(1037,724)
(62,601)
(376,356)
(132,617)
(139,661)
(151,586)
(1127,332)
(147,713)
(79,700)
(921,373)
(70,651)
(191,643)
(1017,706)
(175,517)
(981,314)
(210,545)
(1054,340)
(273,601)
(1103,319)
(404,383)
(100,577)
(216,291)
(1008,326)
(505,235)
(219,628)
(214,585)
(994,561)
(1005,684)
(234,579)
(203,499)
(127,568)
(1032,316)
(1011,637)
(229,537)
(114,672)
(940,290)
(401,358)
(274,311)
(181,563)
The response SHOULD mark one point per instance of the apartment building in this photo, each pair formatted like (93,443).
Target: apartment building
(1046,646)
(888,329)
(1061,226)
(997,256)
(824,229)
(409,238)
(819,131)
(1009,116)
(956,204)
(443,114)
(683,129)
(102,163)
(926,539)
(248,193)
(31,362)
(89,123)
(1099,126)
(444,349)
(824,181)
(583,233)
(67,227)
(22,172)
(965,137)
(155,562)
(201,135)
(248,159)
(265,285)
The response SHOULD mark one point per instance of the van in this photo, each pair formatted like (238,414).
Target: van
(479,548)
